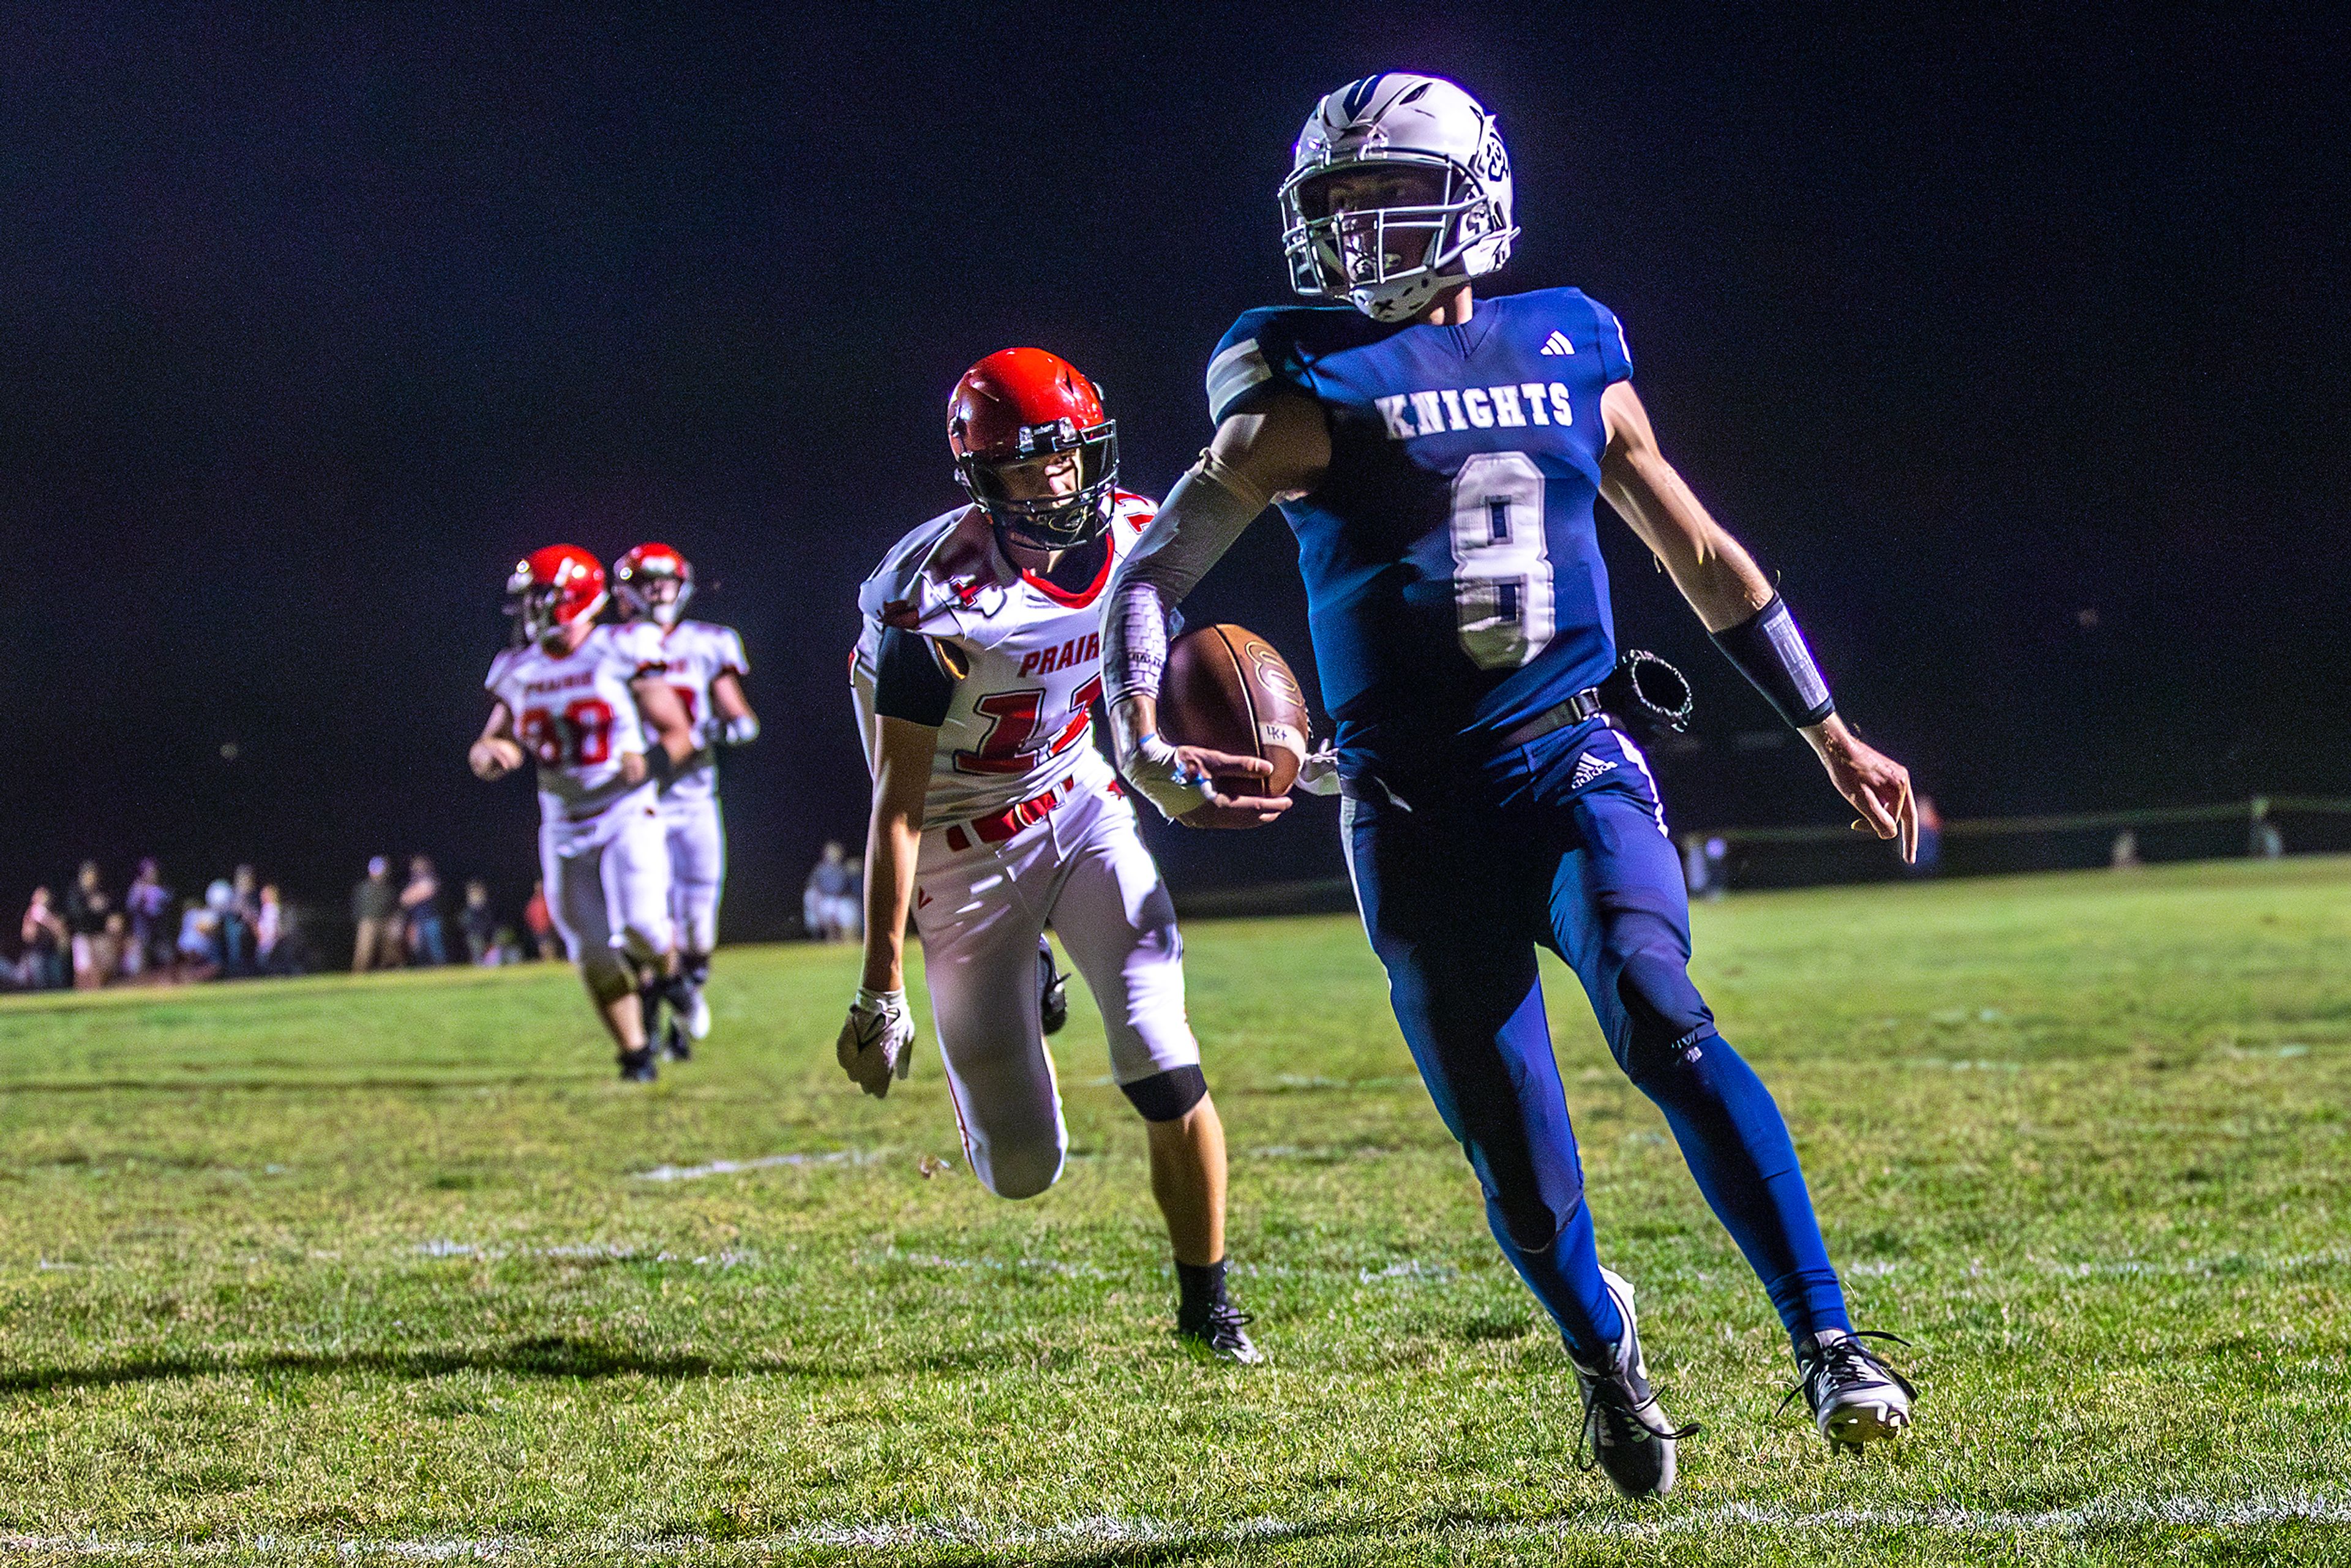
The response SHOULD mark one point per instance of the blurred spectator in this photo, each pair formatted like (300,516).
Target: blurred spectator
(480,923)
(246,890)
(2264,843)
(2124,856)
(1694,863)
(149,902)
(541,924)
(200,938)
(827,904)
(375,916)
(269,932)
(231,931)
(420,902)
(46,938)
(1930,839)
(114,943)
(88,905)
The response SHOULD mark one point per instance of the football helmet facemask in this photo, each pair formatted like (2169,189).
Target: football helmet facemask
(1399,190)
(550,589)
(653,583)
(1024,406)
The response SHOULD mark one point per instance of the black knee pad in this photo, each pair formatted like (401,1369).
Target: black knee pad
(1532,1223)
(1167,1096)
(1665,1014)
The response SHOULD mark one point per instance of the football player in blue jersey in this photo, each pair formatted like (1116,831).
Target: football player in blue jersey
(1438,457)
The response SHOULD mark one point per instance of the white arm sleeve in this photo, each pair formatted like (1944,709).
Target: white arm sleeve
(1197,522)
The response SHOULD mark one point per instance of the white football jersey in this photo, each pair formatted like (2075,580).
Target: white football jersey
(574,714)
(1027,656)
(694,654)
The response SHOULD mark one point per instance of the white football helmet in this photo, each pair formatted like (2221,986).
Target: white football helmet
(1399,190)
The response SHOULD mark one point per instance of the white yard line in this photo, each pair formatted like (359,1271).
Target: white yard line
(764,1162)
(2098,1513)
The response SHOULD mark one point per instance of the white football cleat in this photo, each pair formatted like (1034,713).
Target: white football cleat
(1625,1430)
(698,1017)
(1855,1398)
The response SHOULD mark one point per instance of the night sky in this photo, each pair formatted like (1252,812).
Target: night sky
(2015,347)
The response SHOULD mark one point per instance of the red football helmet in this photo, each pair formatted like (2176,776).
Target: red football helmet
(637,579)
(1020,404)
(552,589)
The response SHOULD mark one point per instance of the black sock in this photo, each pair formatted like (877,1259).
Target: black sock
(1201,1287)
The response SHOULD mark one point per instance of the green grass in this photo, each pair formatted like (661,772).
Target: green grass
(346,1265)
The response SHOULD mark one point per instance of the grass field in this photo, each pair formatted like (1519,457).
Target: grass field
(393,1266)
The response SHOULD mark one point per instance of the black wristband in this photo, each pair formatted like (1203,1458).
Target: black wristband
(1770,651)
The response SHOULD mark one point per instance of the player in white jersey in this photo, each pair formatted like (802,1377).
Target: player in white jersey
(589,704)
(704,665)
(994,815)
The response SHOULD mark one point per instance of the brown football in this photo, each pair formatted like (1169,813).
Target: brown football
(1227,689)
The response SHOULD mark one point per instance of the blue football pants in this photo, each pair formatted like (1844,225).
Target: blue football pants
(1563,842)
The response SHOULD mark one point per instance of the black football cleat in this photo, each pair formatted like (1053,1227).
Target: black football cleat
(1625,1431)
(638,1066)
(1223,1333)
(1052,989)
(1856,1398)
(675,1047)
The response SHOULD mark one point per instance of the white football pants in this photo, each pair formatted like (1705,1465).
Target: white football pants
(697,868)
(610,889)
(1085,870)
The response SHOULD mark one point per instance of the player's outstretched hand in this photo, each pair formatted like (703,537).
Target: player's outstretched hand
(494,757)
(1878,786)
(1181,781)
(877,1043)
(632,767)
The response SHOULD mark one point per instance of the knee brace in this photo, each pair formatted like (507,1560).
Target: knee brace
(608,975)
(644,946)
(1664,1014)
(1532,1220)
(1167,1096)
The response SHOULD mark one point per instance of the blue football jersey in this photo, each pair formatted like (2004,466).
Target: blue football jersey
(1454,582)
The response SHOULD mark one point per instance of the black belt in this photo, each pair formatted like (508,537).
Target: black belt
(1558,715)
(1575,710)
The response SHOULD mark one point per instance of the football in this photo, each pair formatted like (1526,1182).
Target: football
(1229,689)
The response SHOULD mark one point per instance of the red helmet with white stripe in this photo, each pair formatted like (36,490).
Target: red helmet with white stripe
(1011,417)
(652,582)
(551,588)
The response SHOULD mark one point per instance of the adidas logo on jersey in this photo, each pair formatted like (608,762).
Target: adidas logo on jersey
(1557,343)
(1588,767)
(1409,414)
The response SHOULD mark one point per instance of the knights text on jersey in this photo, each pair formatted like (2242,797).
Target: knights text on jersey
(694,654)
(1026,657)
(575,715)
(1454,579)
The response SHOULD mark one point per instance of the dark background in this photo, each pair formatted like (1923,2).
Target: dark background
(2014,344)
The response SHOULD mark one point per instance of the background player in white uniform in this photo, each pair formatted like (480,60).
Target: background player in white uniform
(704,665)
(993,814)
(584,700)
